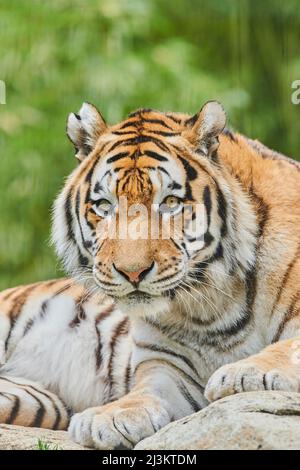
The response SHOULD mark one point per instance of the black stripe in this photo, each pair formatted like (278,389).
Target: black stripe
(163,133)
(28,326)
(286,278)
(208,239)
(15,408)
(124,132)
(44,308)
(178,370)
(23,387)
(79,310)
(182,248)
(15,310)
(97,187)
(55,407)
(63,289)
(160,168)
(222,209)
(98,350)
(175,185)
(20,300)
(200,268)
(91,170)
(238,325)
(83,260)
(156,121)
(39,415)
(57,416)
(155,348)
(251,286)
(119,143)
(12,325)
(69,217)
(9,294)
(289,314)
(190,170)
(40,412)
(196,239)
(77,212)
(189,398)
(128,375)
(141,139)
(188,192)
(139,112)
(207,204)
(262,211)
(228,133)
(155,155)
(160,144)
(128,124)
(122,328)
(117,157)
(191,121)
(173,118)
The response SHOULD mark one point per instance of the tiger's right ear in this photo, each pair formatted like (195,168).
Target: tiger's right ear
(84,129)
(204,128)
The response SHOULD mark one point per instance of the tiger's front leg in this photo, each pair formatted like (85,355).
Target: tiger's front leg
(166,387)
(277,367)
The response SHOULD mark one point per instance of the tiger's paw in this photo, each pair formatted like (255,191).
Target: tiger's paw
(118,425)
(249,376)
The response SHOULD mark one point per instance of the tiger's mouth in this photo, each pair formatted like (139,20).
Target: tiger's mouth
(139,304)
(137,297)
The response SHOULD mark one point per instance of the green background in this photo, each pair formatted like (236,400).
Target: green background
(122,55)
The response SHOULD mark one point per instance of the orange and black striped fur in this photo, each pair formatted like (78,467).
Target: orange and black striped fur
(149,330)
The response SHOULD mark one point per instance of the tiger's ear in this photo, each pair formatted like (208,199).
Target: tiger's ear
(84,129)
(205,127)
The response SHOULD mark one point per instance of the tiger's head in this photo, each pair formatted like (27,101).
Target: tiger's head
(165,163)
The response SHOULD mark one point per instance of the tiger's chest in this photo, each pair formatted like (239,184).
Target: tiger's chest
(88,361)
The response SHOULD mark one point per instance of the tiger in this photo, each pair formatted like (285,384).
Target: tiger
(147,330)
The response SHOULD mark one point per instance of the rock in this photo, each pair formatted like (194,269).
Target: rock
(18,437)
(254,420)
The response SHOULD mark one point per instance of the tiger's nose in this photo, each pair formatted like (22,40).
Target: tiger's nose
(134,277)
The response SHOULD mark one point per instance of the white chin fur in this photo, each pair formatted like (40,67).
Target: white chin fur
(153,308)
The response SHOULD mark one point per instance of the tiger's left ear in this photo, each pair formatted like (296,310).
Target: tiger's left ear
(84,129)
(205,127)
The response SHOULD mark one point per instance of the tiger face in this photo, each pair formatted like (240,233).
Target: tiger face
(138,215)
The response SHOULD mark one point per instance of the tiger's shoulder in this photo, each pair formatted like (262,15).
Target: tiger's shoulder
(262,172)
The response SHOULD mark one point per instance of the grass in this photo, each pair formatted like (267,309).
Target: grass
(43,445)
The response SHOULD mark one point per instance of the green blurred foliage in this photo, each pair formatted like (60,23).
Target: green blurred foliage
(122,55)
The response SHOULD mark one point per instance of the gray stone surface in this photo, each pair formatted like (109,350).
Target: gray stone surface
(20,438)
(254,420)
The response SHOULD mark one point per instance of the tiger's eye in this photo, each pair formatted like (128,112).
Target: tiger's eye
(171,205)
(104,205)
(172,202)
